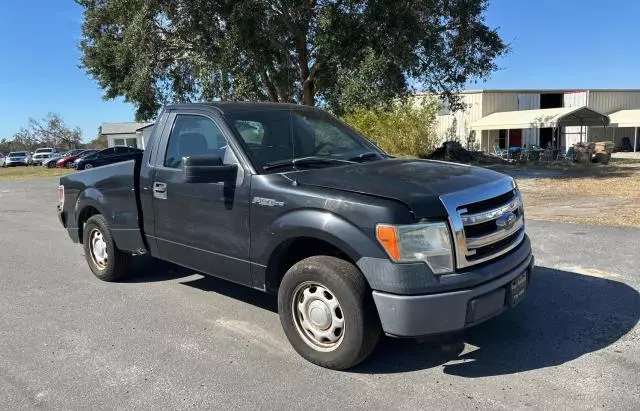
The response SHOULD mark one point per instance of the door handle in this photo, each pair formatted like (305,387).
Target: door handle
(160,190)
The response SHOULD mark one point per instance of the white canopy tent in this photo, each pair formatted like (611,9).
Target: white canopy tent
(627,118)
(542,118)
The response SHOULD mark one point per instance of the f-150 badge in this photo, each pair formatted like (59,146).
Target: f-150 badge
(268,202)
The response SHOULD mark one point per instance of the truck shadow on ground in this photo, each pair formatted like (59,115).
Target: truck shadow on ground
(147,270)
(566,315)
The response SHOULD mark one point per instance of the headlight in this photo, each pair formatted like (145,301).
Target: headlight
(427,242)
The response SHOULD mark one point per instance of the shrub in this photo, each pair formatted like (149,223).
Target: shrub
(404,129)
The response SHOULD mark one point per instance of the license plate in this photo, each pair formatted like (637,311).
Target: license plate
(517,289)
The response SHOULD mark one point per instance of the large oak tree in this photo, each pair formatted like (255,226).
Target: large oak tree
(340,53)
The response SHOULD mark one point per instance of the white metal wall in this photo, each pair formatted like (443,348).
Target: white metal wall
(530,136)
(496,102)
(573,134)
(463,119)
(607,102)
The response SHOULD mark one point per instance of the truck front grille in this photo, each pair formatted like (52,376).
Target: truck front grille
(486,221)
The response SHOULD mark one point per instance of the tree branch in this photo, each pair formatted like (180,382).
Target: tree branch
(271,89)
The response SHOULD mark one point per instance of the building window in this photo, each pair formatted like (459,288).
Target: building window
(502,139)
(132,142)
(118,141)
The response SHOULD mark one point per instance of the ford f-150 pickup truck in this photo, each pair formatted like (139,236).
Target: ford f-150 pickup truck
(287,199)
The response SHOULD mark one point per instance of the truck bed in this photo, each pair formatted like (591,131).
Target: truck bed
(112,191)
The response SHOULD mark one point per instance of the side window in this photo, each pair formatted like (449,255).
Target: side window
(194,135)
(108,152)
(122,150)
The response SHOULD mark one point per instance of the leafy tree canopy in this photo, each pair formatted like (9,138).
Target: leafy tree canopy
(339,53)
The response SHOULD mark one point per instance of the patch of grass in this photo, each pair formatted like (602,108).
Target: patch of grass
(21,173)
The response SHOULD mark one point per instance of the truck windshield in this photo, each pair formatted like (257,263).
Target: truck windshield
(279,136)
(18,154)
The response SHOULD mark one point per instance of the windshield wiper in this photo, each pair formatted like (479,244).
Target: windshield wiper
(366,156)
(303,161)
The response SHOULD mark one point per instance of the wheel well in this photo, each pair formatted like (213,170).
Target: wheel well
(291,251)
(85,214)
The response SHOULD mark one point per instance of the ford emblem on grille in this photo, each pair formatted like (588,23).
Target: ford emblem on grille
(506,220)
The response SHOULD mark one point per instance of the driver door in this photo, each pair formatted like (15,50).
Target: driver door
(204,226)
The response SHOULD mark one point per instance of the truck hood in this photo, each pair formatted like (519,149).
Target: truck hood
(416,183)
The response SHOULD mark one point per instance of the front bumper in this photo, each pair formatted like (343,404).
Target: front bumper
(452,310)
(16,163)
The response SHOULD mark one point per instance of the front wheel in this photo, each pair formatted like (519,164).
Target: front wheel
(88,166)
(106,261)
(327,312)
(51,164)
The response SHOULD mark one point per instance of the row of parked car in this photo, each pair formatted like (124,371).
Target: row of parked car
(79,159)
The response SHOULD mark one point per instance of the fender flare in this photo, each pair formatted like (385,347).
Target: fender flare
(89,198)
(321,225)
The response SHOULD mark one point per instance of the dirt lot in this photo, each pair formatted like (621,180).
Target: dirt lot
(602,195)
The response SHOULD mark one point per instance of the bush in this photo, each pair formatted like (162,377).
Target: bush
(404,129)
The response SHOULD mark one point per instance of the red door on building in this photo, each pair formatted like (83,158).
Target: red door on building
(515,138)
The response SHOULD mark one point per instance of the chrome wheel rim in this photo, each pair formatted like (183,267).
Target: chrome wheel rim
(318,316)
(88,166)
(98,249)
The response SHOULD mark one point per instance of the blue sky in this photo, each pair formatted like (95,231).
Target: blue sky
(555,44)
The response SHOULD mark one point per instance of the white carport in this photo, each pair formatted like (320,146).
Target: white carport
(629,119)
(541,118)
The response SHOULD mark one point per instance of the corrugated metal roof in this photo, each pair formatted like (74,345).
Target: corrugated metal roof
(122,128)
(626,118)
(549,117)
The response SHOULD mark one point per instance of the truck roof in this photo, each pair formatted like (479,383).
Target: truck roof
(239,105)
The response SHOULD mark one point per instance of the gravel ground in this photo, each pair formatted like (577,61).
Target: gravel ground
(172,339)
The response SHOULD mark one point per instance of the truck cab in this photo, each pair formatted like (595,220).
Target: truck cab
(288,200)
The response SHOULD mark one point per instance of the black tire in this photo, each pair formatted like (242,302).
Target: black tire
(361,330)
(51,164)
(117,262)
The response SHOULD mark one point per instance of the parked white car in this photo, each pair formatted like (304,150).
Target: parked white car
(17,158)
(42,154)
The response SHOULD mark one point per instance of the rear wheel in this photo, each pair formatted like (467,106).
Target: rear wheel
(327,312)
(51,164)
(88,166)
(106,261)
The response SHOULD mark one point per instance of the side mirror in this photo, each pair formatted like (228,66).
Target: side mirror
(207,169)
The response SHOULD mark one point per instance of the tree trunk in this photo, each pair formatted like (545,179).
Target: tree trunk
(309,85)
(308,93)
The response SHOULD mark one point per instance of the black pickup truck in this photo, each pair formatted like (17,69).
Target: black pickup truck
(289,200)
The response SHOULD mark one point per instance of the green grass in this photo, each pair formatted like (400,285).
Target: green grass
(21,173)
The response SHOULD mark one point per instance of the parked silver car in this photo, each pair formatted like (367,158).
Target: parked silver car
(17,158)
(2,157)
(51,161)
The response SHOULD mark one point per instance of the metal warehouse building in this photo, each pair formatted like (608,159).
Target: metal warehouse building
(555,118)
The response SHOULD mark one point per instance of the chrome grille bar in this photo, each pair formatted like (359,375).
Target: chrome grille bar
(483,217)
(477,242)
(469,251)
